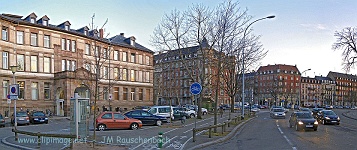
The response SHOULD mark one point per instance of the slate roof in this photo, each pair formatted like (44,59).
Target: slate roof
(334,75)
(116,40)
(282,68)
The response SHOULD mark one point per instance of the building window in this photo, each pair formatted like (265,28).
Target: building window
(22,89)
(32,20)
(96,51)
(105,71)
(33,39)
(5,60)
(68,65)
(140,59)
(47,91)
(87,66)
(73,65)
(33,63)
(73,46)
(124,56)
(85,32)
(116,55)
(147,94)
(47,64)
(132,75)
(63,44)
(66,27)
(87,51)
(147,60)
(116,73)
(68,45)
(125,74)
(132,94)
(46,41)
(132,57)
(20,62)
(4,33)
(5,89)
(125,94)
(44,22)
(140,76)
(20,37)
(34,90)
(105,93)
(140,94)
(63,65)
(147,76)
(105,53)
(116,93)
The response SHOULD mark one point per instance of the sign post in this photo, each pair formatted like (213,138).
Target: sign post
(196,89)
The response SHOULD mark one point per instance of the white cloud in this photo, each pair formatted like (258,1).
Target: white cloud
(315,26)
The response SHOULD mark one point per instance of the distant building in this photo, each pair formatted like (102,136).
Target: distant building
(346,88)
(54,61)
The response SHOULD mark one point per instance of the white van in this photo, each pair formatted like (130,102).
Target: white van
(163,111)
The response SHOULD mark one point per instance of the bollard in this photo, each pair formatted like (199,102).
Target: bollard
(194,135)
(160,143)
(210,132)
(224,124)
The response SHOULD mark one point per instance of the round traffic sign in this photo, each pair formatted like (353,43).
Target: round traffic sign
(13,90)
(196,88)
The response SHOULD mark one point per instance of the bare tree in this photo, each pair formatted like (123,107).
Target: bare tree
(347,42)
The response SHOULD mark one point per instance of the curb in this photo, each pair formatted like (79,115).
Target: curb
(222,139)
(14,145)
(345,114)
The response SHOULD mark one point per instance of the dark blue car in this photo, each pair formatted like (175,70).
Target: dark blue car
(145,117)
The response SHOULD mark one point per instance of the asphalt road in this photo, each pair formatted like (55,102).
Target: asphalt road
(266,133)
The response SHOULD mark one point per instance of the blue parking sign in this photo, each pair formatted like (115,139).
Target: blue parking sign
(196,88)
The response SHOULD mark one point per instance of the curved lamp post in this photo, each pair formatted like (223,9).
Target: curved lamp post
(300,86)
(13,70)
(245,32)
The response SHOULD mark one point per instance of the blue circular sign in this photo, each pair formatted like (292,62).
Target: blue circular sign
(196,88)
(13,90)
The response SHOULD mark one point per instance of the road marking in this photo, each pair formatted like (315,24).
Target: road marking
(204,124)
(170,130)
(188,131)
(286,138)
(148,127)
(183,145)
(168,141)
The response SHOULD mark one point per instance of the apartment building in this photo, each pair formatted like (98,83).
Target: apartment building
(55,61)
(345,93)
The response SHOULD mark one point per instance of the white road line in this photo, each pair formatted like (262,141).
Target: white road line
(170,131)
(204,124)
(168,141)
(153,137)
(188,131)
(183,145)
(286,138)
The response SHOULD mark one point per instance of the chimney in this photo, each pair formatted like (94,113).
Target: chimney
(122,34)
(101,33)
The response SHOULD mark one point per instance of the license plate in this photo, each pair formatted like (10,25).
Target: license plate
(42,120)
(309,126)
(333,121)
(21,119)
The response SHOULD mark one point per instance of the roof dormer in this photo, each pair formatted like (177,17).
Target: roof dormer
(94,33)
(65,25)
(84,30)
(31,18)
(132,41)
(44,20)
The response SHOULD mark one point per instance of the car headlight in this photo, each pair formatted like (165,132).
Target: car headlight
(275,114)
(316,122)
(327,118)
(35,119)
(338,118)
(300,122)
(46,118)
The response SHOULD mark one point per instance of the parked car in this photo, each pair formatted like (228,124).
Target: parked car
(189,112)
(328,107)
(163,111)
(195,107)
(179,115)
(146,108)
(347,107)
(21,118)
(38,117)
(302,120)
(116,120)
(353,107)
(2,121)
(277,113)
(254,109)
(145,117)
(315,111)
(281,107)
(328,117)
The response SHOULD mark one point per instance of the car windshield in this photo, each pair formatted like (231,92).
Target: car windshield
(38,114)
(21,114)
(304,115)
(329,113)
(278,110)
(305,109)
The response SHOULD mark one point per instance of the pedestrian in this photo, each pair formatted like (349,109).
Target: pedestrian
(221,111)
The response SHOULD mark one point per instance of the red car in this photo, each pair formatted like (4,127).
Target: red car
(116,120)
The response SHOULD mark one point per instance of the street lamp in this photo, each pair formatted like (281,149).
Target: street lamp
(13,70)
(245,32)
(300,86)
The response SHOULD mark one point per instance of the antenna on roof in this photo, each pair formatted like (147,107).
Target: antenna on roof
(92,21)
(106,21)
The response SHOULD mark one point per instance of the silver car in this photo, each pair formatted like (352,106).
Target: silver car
(277,113)
(21,118)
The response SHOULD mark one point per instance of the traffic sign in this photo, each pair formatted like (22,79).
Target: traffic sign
(110,96)
(13,97)
(14,90)
(196,88)
(9,101)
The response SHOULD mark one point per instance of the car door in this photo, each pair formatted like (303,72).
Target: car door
(149,118)
(137,115)
(107,119)
(121,121)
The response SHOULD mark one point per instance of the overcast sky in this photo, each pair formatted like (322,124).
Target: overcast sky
(302,33)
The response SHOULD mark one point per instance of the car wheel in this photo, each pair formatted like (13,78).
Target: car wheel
(168,120)
(183,118)
(315,129)
(338,123)
(323,122)
(101,127)
(134,126)
(158,122)
(297,127)
(192,115)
